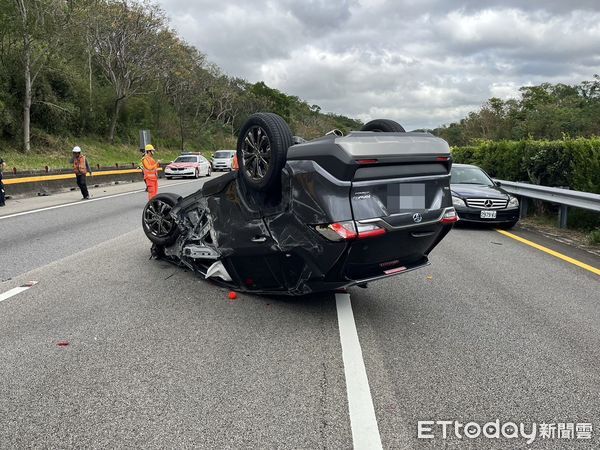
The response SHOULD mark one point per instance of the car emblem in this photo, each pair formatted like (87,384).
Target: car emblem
(488,203)
(417,217)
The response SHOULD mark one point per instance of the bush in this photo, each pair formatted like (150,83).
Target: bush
(594,237)
(573,163)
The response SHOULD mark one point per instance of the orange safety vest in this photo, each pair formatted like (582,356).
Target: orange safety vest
(150,168)
(79,166)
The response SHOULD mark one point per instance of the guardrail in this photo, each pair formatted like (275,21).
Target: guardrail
(47,170)
(35,183)
(65,176)
(564,197)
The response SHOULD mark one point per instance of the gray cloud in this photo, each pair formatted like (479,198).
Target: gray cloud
(421,62)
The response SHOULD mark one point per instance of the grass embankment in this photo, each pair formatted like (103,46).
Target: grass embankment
(97,152)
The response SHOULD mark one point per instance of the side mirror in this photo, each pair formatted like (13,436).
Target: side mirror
(171,162)
(497,183)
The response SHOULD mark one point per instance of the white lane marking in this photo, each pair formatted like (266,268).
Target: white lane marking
(81,202)
(365,432)
(17,290)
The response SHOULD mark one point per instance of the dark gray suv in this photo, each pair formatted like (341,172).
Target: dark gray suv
(301,217)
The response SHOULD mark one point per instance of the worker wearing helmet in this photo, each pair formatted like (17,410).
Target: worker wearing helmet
(81,167)
(150,168)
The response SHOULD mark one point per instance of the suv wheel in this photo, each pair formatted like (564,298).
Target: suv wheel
(157,222)
(383,125)
(262,149)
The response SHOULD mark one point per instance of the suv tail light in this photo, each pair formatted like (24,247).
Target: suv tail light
(341,231)
(369,230)
(449,216)
(345,231)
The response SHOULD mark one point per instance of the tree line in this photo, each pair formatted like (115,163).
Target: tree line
(548,111)
(108,68)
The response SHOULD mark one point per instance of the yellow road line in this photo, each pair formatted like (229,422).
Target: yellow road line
(551,252)
(66,176)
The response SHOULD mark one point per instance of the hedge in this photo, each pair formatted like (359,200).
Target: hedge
(573,163)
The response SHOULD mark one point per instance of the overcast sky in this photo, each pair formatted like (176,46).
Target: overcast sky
(421,62)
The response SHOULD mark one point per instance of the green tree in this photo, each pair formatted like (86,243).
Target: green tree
(126,42)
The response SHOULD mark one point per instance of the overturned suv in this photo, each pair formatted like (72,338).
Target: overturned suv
(301,217)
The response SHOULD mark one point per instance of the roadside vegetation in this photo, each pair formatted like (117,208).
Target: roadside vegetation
(544,112)
(58,155)
(95,72)
(549,136)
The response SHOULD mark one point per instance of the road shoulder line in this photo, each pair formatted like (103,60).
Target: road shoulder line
(363,422)
(81,202)
(551,252)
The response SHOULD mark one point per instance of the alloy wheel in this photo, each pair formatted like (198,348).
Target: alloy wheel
(256,153)
(157,217)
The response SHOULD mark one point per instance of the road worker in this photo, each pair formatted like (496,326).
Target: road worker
(81,167)
(150,169)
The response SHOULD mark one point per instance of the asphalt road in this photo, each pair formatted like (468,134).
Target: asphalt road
(156,357)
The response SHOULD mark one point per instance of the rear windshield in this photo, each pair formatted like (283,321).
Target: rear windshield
(224,154)
(469,175)
(186,159)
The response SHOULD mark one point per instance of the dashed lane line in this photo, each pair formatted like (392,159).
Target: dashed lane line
(17,290)
(363,422)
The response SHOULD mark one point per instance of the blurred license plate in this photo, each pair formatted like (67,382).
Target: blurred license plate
(406,197)
(488,214)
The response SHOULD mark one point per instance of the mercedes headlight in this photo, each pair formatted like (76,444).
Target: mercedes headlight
(456,201)
(513,202)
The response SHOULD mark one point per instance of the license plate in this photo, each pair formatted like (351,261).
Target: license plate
(406,197)
(488,214)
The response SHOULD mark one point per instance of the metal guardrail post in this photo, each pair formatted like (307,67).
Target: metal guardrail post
(524,204)
(562,216)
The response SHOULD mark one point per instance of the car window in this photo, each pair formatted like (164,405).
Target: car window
(186,159)
(469,175)
(223,154)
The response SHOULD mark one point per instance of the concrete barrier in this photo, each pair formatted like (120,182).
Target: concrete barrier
(28,186)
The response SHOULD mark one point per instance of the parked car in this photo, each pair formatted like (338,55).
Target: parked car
(222,160)
(188,165)
(301,217)
(477,198)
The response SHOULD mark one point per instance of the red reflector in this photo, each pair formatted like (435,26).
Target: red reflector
(371,233)
(394,270)
(442,158)
(367,161)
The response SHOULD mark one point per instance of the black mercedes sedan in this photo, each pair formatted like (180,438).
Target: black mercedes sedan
(477,198)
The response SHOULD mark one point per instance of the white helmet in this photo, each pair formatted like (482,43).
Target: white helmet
(76,149)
